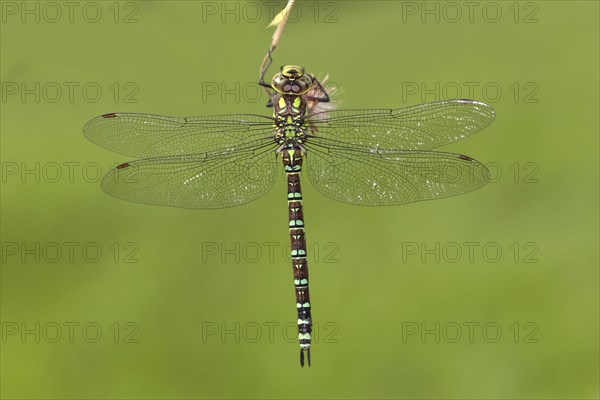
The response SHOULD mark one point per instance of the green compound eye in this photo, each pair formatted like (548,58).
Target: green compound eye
(292,71)
(292,80)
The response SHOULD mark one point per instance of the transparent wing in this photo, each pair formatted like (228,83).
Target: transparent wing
(205,180)
(420,127)
(148,135)
(391,177)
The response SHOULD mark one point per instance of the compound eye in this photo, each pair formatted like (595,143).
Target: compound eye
(292,71)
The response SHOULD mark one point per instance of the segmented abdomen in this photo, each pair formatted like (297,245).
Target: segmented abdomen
(292,160)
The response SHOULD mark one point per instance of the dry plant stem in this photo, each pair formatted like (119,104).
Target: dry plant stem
(279,21)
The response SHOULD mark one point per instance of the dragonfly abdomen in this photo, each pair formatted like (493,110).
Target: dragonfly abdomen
(292,161)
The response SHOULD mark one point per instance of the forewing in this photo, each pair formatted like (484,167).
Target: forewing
(420,127)
(148,135)
(200,181)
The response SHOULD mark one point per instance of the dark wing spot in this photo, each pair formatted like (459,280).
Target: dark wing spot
(466,158)
(111,115)
(124,165)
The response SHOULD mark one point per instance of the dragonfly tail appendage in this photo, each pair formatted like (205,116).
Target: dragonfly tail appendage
(302,351)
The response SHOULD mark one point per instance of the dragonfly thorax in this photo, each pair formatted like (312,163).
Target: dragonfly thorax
(289,112)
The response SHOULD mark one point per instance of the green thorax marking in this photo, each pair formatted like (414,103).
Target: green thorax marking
(289,112)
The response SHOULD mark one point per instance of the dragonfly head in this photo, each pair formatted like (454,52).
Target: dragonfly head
(291,80)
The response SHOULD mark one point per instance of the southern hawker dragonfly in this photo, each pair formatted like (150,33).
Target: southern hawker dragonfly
(364,157)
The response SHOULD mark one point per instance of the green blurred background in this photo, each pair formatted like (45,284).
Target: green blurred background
(184,299)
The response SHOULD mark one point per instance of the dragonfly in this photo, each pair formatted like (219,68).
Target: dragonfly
(368,157)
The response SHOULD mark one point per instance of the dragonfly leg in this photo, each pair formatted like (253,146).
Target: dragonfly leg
(265,66)
(270,102)
(325,96)
(261,80)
